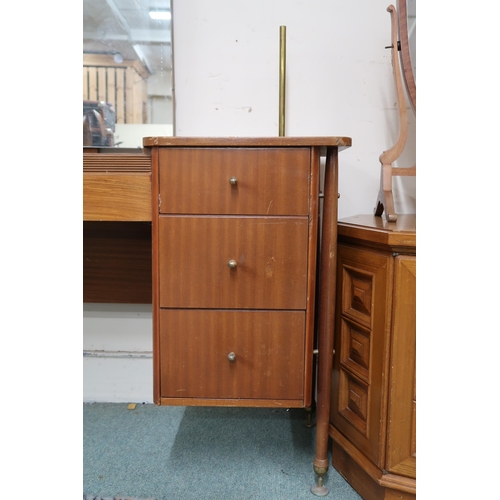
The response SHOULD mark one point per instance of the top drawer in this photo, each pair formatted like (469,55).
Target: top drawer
(234,181)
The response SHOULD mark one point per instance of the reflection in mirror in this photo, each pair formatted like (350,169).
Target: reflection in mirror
(127,72)
(407,46)
(412,34)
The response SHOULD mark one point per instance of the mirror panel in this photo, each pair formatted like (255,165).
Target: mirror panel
(127,72)
(412,34)
(407,47)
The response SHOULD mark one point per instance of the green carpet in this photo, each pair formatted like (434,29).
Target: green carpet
(184,453)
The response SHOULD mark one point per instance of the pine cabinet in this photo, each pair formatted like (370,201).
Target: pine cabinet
(372,422)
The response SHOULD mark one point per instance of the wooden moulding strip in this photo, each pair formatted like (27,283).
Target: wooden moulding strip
(98,162)
(260,403)
(340,143)
(399,483)
(378,236)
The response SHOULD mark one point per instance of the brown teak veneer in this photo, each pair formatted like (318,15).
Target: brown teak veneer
(235,246)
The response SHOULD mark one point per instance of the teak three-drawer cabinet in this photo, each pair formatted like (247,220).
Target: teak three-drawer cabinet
(235,265)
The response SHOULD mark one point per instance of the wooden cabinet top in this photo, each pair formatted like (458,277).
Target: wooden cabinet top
(256,142)
(398,236)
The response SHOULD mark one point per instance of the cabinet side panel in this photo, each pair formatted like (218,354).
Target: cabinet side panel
(155,275)
(401,433)
(312,257)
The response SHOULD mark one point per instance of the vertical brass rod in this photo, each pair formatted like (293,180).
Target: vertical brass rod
(282,80)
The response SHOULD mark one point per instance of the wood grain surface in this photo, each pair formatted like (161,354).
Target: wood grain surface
(267,181)
(117,262)
(270,255)
(268,350)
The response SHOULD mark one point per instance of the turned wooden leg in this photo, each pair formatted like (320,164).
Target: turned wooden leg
(326,318)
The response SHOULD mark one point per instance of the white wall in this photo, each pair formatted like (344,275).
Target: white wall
(117,347)
(339,81)
(226,56)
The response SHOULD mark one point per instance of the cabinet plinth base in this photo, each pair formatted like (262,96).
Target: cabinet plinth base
(365,484)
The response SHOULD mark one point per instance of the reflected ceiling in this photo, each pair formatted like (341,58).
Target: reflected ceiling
(123,28)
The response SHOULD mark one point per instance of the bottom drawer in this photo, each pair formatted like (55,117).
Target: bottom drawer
(231,354)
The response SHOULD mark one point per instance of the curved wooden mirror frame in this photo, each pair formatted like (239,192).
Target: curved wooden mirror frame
(405,54)
(385,199)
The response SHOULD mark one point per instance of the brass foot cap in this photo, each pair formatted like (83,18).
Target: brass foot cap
(320,471)
(320,491)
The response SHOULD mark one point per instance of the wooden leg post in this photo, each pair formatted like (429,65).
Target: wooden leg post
(326,317)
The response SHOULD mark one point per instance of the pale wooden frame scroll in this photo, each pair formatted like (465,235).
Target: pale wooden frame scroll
(385,200)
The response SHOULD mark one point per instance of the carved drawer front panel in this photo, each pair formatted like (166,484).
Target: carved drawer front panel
(232,354)
(357,295)
(233,262)
(354,398)
(355,349)
(216,181)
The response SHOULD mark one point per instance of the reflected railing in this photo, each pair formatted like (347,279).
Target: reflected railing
(127,72)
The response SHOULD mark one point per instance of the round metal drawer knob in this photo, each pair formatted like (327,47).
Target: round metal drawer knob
(233,181)
(231,356)
(232,264)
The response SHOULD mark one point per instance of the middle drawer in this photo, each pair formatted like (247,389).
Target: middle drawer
(233,262)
